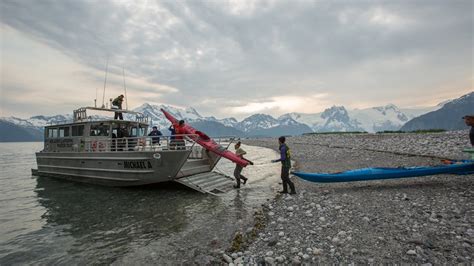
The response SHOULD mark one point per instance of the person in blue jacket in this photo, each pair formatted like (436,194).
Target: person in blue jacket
(285,159)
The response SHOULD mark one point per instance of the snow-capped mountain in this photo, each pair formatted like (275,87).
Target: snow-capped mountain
(38,121)
(257,121)
(332,119)
(266,125)
(388,117)
(448,117)
(338,118)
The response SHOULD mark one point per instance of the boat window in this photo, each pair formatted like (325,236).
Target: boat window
(52,133)
(63,132)
(138,132)
(77,131)
(100,130)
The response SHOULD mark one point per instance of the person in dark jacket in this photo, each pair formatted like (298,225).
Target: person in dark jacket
(469,120)
(285,159)
(155,134)
(117,102)
(172,132)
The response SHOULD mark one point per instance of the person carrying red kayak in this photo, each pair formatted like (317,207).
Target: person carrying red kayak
(179,131)
(238,168)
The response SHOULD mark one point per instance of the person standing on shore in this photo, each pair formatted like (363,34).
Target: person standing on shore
(469,120)
(117,103)
(238,168)
(285,160)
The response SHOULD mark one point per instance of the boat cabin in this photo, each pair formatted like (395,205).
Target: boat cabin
(96,134)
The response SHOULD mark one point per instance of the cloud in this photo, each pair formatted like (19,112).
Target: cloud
(284,104)
(191,53)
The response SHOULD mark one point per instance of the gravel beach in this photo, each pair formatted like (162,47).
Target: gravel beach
(416,220)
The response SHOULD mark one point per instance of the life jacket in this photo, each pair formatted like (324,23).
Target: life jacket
(179,130)
(287,161)
(117,101)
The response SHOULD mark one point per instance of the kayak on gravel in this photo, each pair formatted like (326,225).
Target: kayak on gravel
(364,174)
(208,143)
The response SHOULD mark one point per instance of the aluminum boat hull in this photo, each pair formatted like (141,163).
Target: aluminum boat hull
(113,168)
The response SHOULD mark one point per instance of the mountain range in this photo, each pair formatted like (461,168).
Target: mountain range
(333,119)
(448,117)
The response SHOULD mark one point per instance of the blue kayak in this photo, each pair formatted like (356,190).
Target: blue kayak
(466,167)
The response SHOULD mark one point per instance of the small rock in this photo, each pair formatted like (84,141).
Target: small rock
(366,219)
(322,219)
(281,233)
(294,250)
(341,233)
(238,261)
(296,260)
(470,232)
(227,258)
(411,252)
(279,259)
(353,251)
(306,257)
(269,253)
(271,213)
(269,260)
(234,255)
(272,242)
(317,251)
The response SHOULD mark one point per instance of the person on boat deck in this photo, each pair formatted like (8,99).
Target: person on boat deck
(285,160)
(179,131)
(117,102)
(155,133)
(469,120)
(172,132)
(238,168)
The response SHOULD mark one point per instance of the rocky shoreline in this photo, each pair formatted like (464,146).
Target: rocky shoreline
(417,220)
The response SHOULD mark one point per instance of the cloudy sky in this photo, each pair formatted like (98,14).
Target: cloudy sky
(234,57)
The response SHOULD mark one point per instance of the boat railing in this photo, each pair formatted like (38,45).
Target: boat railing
(224,140)
(137,144)
(59,122)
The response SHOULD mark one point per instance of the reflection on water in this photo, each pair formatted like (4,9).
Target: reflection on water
(53,221)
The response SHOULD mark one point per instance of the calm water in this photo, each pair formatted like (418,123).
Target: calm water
(50,221)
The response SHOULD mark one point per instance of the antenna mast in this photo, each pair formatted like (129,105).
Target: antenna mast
(125,88)
(105,81)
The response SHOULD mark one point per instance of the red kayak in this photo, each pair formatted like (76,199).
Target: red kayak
(208,143)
